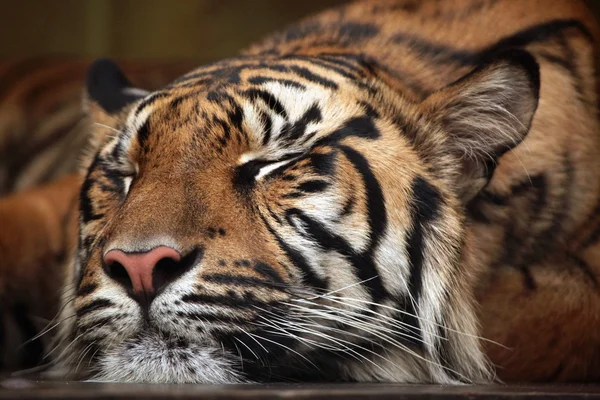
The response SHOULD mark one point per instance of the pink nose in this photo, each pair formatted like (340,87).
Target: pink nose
(139,267)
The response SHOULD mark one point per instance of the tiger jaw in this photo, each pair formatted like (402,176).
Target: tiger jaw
(152,357)
(324,331)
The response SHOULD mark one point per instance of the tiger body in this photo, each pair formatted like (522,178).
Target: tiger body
(348,200)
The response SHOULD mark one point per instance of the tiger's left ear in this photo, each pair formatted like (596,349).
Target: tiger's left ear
(485,114)
(108,93)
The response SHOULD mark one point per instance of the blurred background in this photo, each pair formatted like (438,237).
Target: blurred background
(144,29)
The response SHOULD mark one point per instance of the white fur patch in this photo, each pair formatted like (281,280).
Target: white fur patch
(155,359)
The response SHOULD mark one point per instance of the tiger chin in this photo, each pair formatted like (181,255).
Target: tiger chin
(298,213)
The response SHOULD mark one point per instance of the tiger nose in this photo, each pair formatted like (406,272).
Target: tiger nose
(135,271)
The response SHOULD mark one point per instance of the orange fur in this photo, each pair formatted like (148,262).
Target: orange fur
(528,237)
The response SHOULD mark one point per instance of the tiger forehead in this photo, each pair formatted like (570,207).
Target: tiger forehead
(282,108)
(222,80)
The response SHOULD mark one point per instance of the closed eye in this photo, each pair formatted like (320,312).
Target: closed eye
(268,168)
(126,177)
(254,170)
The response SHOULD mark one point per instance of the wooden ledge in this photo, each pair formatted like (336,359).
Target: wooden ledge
(31,389)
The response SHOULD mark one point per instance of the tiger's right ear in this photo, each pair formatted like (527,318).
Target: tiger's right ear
(108,93)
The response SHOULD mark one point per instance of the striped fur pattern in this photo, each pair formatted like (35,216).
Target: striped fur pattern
(342,195)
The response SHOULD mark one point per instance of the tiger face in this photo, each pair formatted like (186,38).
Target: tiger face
(266,219)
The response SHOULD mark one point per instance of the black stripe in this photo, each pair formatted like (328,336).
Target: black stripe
(143,133)
(340,60)
(312,115)
(375,203)
(335,63)
(548,237)
(93,306)
(225,301)
(224,127)
(299,261)
(174,103)
(348,206)
(514,246)
(273,215)
(96,324)
(424,209)
(310,76)
(115,177)
(536,33)
(314,186)
(323,163)
(293,195)
(236,116)
(214,318)
(592,238)
(268,127)
(259,80)
(370,111)
(236,280)
(85,202)
(362,263)
(148,101)
(362,127)
(376,218)
(268,99)
(269,272)
(244,175)
(425,206)
(87,289)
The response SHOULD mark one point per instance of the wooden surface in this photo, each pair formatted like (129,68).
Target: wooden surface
(27,389)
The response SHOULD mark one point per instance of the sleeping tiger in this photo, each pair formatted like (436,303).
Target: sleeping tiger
(401,191)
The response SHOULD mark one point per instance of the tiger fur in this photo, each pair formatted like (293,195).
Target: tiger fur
(388,191)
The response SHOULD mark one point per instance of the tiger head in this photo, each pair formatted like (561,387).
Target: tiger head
(285,218)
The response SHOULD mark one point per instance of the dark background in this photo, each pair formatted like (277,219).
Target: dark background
(148,29)
(144,29)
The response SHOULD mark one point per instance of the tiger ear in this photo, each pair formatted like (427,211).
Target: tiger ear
(485,114)
(108,92)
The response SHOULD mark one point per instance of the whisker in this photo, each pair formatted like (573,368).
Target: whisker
(343,288)
(415,316)
(248,347)
(106,126)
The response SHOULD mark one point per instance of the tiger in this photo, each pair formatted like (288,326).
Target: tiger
(388,191)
